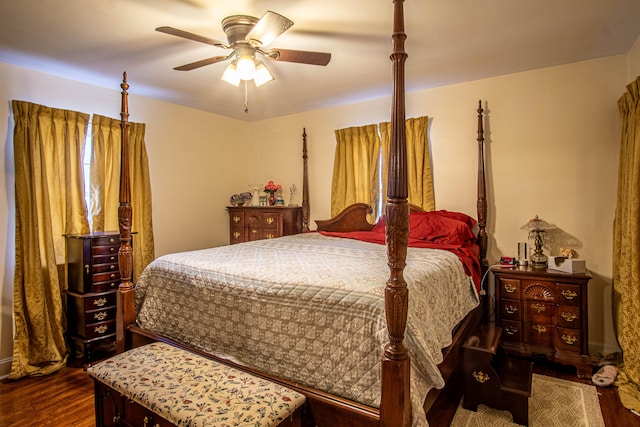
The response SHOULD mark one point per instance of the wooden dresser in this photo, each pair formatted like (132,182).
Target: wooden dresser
(247,223)
(543,312)
(93,275)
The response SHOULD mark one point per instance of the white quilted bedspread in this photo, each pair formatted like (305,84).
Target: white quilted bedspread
(309,308)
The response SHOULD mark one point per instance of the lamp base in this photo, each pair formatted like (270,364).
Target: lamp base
(538,260)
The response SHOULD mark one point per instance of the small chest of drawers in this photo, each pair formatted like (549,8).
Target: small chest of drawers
(544,312)
(248,223)
(93,278)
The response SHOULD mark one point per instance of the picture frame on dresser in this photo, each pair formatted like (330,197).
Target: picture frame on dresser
(544,312)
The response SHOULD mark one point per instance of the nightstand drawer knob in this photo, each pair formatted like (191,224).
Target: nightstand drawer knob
(540,329)
(112,240)
(569,339)
(236,234)
(569,317)
(100,316)
(100,302)
(569,294)
(539,307)
(510,288)
(510,309)
(511,330)
(101,329)
(269,220)
(480,376)
(236,219)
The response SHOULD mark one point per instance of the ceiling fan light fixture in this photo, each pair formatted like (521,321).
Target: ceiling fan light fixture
(246,67)
(231,75)
(262,75)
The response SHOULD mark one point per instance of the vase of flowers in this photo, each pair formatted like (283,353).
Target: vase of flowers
(271,188)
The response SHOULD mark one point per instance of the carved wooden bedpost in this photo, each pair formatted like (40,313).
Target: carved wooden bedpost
(305,183)
(481,210)
(395,405)
(125,295)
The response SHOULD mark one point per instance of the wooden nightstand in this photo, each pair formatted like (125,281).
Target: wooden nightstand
(543,312)
(247,223)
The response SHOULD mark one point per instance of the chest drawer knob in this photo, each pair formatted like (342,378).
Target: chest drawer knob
(100,316)
(481,377)
(269,220)
(509,288)
(112,240)
(539,307)
(569,317)
(510,309)
(101,329)
(236,219)
(569,294)
(236,234)
(100,302)
(540,329)
(569,339)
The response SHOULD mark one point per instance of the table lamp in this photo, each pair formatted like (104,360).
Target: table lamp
(536,228)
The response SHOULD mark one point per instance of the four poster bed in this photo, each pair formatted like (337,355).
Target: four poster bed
(327,313)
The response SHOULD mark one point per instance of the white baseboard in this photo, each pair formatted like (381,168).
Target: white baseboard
(5,367)
(599,348)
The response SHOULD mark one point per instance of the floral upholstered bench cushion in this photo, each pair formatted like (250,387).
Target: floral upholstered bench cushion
(190,390)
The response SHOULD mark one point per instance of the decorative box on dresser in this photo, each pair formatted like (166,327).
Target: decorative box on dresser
(247,223)
(543,312)
(93,279)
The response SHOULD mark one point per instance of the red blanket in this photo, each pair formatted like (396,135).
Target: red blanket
(468,252)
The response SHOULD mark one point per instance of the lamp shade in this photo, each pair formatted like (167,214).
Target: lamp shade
(262,75)
(537,224)
(231,74)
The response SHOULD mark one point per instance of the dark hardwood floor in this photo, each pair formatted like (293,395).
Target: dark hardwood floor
(65,399)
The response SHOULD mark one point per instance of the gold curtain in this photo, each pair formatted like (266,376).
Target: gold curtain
(49,196)
(354,167)
(626,248)
(105,186)
(419,174)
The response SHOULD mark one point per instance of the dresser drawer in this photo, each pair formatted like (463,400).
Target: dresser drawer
(100,300)
(100,315)
(539,290)
(104,250)
(237,219)
(112,240)
(102,329)
(237,235)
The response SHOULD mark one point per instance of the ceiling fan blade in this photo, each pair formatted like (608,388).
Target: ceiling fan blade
(190,36)
(299,56)
(270,26)
(201,63)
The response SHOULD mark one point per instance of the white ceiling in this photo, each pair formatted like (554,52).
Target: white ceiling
(449,41)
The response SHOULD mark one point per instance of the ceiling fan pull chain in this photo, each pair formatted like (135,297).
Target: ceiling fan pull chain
(246,97)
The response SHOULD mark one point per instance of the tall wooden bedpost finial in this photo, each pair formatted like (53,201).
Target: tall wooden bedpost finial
(125,296)
(305,183)
(395,405)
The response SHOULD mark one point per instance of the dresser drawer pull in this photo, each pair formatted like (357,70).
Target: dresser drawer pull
(511,330)
(254,231)
(112,267)
(510,288)
(112,240)
(569,317)
(236,235)
(101,329)
(540,329)
(112,258)
(112,249)
(236,219)
(100,302)
(269,220)
(100,316)
(510,309)
(569,339)
(480,376)
(539,307)
(568,294)
(113,276)
(270,236)
(86,268)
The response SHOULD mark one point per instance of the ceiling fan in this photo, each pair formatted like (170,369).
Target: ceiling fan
(246,36)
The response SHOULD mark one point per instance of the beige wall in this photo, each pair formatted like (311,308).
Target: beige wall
(552,139)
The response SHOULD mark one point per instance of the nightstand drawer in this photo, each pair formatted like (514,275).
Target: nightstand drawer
(96,330)
(101,300)
(511,331)
(100,315)
(509,288)
(539,334)
(539,311)
(569,339)
(568,317)
(510,309)
(569,294)
(237,219)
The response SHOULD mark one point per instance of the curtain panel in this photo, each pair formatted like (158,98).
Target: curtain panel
(49,197)
(626,249)
(105,186)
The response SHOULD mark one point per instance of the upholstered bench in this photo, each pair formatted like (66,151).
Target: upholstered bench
(161,385)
